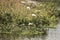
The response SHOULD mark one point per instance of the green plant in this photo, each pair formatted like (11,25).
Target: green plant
(27,19)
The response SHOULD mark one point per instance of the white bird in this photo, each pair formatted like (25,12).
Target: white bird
(30,23)
(33,15)
(28,8)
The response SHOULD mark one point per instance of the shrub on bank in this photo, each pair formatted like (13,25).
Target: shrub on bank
(28,19)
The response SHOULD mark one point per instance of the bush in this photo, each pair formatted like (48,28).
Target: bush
(28,19)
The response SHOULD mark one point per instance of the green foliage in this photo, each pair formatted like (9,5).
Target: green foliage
(28,21)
